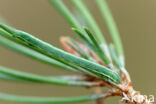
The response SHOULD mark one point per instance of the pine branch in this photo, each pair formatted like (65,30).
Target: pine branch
(98,65)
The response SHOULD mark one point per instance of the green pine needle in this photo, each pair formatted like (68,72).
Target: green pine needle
(89,19)
(17,75)
(60,6)
(114,56)
(79,48)
(99,51)
(49,100)
(85,39)
(103,6)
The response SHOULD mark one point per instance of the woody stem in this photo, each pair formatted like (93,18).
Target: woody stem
(98,90)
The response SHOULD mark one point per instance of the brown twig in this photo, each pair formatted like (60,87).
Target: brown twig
(98,90)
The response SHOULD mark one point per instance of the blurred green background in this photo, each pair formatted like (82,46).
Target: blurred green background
(136,20)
